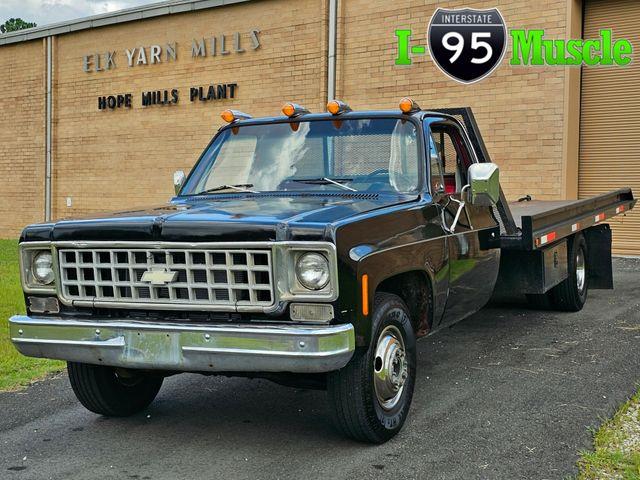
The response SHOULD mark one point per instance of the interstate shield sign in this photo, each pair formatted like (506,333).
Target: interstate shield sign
(467,44)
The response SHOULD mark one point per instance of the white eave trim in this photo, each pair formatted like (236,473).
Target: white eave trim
(168,7)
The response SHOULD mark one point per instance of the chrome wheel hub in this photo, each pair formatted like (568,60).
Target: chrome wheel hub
(390,367)
(581,270)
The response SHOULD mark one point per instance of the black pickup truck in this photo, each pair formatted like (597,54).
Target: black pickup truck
(309,249)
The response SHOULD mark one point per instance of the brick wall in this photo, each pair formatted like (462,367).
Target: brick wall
(21,136)
(519,109)
(106,160)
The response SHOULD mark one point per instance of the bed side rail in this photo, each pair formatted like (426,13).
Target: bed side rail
(547,227)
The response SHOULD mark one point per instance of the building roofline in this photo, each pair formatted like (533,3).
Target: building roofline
(168,7)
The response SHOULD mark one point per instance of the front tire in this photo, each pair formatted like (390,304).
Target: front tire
(111,392)
(571,294)
(371,396)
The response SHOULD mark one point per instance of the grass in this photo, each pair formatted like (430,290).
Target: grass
(616,452)
(15,369)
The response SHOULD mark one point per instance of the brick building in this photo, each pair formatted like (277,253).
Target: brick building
(98,112)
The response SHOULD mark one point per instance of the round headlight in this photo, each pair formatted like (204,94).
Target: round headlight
(312,270)
(42,268)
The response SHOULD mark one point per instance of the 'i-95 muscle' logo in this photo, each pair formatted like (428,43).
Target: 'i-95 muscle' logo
(467,44)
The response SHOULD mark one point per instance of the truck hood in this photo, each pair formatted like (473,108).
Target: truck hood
(221,218)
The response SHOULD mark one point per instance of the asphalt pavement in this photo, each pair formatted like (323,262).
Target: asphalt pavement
(508,393)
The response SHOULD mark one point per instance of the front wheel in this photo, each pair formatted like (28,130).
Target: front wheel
(371,396)
(110,391)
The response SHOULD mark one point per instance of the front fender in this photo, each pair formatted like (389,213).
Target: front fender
(427,257)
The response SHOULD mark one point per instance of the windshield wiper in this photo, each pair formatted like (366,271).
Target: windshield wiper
(241,187)
(327,181)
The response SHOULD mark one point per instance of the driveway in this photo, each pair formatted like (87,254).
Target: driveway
(508,393)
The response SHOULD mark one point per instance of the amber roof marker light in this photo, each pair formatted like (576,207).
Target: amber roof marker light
(231,116)
(294,110)
(408,105)
(336,107)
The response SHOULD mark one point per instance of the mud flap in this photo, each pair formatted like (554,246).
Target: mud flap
(599,265)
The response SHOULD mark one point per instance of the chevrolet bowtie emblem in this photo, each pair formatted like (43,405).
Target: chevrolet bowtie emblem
(159,277)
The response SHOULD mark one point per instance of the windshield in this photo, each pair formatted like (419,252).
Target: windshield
(370,155)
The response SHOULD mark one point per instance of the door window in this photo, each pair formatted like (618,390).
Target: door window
(449,147)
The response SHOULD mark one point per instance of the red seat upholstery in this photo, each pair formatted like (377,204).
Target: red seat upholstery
(449,184)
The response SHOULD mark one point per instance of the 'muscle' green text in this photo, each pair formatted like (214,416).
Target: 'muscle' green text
(530,48)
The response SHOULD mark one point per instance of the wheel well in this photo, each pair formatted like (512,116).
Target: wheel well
(415,289)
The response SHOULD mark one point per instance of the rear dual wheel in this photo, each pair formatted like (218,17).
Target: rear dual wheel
(570,295)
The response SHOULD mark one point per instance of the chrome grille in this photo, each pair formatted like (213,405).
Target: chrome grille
(224,277)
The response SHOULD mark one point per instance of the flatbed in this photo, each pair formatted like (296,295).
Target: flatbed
(542,222)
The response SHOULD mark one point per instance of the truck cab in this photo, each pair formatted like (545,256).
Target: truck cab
(312,249)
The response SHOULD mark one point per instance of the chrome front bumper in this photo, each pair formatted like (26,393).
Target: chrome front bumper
(188,348)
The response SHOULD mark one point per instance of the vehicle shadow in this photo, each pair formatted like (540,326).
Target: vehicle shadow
(190,405)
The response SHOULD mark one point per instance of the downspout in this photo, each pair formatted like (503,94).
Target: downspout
(331,54)
(48,130)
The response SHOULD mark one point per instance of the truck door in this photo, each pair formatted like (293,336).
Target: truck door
(473,266)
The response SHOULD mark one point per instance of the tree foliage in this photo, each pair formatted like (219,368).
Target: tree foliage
(15,24)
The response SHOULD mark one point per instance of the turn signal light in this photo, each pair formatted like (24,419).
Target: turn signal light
(408,105)
(293,110)
(365,294)
(336,107)
(311,312)
(231,116)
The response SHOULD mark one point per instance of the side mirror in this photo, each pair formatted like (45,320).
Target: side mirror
(484,179)
(178,180)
